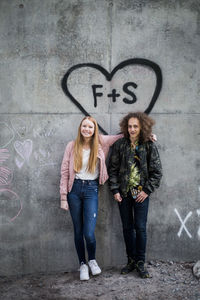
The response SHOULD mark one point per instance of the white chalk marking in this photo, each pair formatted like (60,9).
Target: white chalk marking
(12,133)
(19,163)
(198,232)
(20,127)
(42,152)
(183,223)
(24,149)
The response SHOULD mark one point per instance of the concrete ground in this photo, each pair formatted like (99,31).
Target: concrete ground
(169,281)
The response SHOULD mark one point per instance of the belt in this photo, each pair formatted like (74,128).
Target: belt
(86,181)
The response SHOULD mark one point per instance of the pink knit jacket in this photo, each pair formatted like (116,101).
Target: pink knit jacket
(67,167)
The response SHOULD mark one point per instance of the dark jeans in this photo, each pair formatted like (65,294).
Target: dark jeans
(83,205)
(134,226)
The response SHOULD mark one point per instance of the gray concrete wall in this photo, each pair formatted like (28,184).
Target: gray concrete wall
(39,42)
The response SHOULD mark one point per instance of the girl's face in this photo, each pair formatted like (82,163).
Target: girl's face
(87,128)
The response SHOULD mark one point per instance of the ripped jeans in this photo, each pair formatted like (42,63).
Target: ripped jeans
(83,206)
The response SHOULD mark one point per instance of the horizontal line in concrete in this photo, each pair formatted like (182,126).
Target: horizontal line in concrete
(74,113)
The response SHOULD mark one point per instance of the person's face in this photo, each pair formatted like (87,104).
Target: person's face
(87,128)
(134,128)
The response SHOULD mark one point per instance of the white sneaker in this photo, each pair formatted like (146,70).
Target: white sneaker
(94,267)
(84,272)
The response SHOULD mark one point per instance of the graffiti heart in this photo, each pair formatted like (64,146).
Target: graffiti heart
(128,87)
(24,150)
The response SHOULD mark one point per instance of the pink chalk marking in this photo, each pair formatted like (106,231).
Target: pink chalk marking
(4,155)
(16,198)
(6,176)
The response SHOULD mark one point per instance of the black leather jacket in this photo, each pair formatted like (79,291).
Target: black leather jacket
(119,168)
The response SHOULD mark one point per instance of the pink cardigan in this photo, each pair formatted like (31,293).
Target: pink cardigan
(67,167)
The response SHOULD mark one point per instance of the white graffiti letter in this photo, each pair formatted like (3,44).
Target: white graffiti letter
(198,232)
(183,223)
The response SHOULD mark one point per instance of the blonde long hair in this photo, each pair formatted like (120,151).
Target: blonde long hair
(94,145)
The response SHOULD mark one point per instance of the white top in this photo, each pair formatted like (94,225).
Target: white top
(83,173)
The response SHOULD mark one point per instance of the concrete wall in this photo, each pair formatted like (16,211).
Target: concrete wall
(39,42)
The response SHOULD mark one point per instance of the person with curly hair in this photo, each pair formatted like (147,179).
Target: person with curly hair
(134,172)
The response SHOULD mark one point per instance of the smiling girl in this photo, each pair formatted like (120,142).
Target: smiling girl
(83,169)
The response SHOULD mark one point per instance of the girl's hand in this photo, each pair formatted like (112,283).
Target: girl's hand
(64,205)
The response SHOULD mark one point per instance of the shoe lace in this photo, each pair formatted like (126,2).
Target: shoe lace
(83,267)
(94,263)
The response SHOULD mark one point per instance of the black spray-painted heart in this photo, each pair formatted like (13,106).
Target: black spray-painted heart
(134,61)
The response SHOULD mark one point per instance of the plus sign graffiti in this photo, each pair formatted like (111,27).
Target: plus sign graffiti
(114,95)
(120,90)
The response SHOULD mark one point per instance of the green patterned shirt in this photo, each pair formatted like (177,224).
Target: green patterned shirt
(134,177)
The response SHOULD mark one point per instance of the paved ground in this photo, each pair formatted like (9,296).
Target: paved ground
(169,281)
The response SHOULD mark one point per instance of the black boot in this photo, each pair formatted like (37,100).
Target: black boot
(129,267)
(140,267)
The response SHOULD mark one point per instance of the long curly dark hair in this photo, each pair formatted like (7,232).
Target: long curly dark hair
(146,124)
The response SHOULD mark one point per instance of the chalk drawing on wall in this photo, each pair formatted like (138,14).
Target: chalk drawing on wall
(4,155)
(43,157)
(6,135)
(6,175)
(183,223)
(43,133)
(20,126)
(198,213)
(127,88)
(11,206)
(24,150)
(198,232)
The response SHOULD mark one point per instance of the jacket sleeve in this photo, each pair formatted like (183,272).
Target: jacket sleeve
(65,171)
(154,169)
(107,141)
(113,169)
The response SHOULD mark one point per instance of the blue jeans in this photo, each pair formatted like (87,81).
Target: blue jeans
(83,206)
(134,227)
